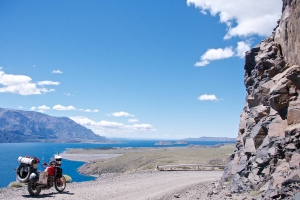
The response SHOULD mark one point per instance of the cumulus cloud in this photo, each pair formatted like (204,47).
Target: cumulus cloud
(122,114)
(89,110)
(60,107)
(214,54)
(43,107)
(33,108)
(142,127)
(242,48)
(104,127)
(48,83)
(20,84)
(133,120)
(227,52)
(208,97)
(57,72)
(108,124)
(242,17)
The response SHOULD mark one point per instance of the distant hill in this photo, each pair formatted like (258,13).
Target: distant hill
(204,138)
(30,126)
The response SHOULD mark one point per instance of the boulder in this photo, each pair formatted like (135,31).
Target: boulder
(293,116)
(291,146)
(277,182)
(295,161)
(249,146)
(294,76)
(234,164)
(252,102)
(260,112)
(262,155)
(277,127)
(242,163)
(258,133)
(263,92)
(294,177)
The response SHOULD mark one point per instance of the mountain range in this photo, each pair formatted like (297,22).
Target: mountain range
(30,126)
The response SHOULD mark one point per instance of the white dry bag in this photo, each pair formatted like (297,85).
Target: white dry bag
(28,161)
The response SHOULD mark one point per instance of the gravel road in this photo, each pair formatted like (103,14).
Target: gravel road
(132,186)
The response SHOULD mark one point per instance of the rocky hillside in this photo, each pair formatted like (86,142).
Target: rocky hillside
(267,155)
(29,126)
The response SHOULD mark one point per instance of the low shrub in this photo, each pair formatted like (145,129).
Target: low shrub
(16,185)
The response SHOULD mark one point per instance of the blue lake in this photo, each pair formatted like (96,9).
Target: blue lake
(44,151)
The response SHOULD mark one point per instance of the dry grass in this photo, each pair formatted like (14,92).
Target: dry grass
(16,185)
(148,158)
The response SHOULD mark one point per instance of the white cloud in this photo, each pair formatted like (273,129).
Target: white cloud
(218,54)
(57,72)
(43,107)
(214,54)
(110,128)
(133,120)
(20,107)
(249,17)
(122,114)
(89,110)
(67,94)
(201,63)
(48,83)
(60,107)
(108,124)
(83,120)
(242,48)
(142,127)
(207,97)
(20,84)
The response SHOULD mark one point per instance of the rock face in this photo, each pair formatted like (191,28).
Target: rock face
(29,126)
(267,155)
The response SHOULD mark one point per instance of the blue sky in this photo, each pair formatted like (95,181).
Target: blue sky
(132,69)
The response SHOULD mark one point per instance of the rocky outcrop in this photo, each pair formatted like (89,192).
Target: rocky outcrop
(267,155)
(29,126)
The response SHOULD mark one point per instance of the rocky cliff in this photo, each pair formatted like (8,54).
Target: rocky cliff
(29,126)
(267,155)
